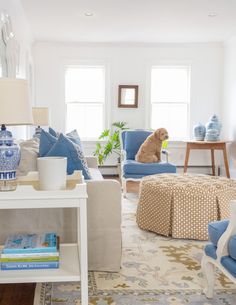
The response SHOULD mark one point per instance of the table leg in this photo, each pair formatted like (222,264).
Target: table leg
(82,227)
(186,158)
(213,162)
(226,161)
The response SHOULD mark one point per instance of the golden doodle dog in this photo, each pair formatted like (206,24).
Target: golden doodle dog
(150,150)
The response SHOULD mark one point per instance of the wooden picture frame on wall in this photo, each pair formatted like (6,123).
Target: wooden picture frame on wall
(128,96)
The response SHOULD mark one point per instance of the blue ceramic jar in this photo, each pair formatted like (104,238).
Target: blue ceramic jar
(213,128)
(199,132)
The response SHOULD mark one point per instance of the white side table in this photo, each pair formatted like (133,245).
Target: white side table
(73,257)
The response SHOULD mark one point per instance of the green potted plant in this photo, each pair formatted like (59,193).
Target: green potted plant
(112,142)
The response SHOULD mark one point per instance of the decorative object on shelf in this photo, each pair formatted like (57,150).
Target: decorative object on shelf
(15,110)
(213,129)
(52,173)
(40,118)
(112,145)
(128,96)
(199,131)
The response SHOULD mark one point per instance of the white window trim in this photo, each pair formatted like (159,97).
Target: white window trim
(148,104)
(106,107)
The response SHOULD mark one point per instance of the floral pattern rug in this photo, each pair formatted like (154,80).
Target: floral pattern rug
(154,270)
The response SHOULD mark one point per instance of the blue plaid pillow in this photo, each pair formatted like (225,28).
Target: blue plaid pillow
(64,147)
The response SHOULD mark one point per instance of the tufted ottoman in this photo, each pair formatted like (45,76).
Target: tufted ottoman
(181,206)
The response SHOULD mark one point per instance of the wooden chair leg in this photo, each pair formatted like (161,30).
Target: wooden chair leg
(208,270)
(124,187)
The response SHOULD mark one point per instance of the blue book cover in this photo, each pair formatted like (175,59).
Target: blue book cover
(29,265)
(31,243)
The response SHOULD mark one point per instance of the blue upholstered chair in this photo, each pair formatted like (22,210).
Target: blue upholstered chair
(132,170)
(221,252)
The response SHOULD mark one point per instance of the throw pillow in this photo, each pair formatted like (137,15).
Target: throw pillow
(46,143)
(52,132)
(64,147)
(73,135)
(29,153)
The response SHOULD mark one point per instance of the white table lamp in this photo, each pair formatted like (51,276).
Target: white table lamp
(15,109)
(40,118)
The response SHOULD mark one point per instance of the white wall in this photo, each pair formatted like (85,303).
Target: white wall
(229,101)
(129,64)
(24,38)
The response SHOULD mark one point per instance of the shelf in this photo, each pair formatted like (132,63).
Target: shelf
(69,269)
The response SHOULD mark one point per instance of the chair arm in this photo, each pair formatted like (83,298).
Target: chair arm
(222,246)
(123,155)
(92,161)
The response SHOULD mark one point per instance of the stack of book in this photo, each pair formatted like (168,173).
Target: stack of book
(30,251)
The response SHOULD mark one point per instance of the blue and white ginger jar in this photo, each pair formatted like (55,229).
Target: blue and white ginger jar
(9,156)
(199,132)
(214,124)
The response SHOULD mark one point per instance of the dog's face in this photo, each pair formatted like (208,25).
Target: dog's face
(161,134)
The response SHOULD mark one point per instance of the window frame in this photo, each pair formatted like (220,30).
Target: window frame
(90,63)
(149,95)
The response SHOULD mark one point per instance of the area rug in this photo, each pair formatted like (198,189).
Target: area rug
(154,270)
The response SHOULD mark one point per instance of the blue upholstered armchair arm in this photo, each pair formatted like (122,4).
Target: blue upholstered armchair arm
(222,246)
(123,155)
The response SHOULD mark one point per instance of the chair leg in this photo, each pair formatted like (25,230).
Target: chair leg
(124,187)
(208,270)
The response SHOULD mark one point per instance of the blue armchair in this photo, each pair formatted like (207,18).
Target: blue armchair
(132,170)
(221,252)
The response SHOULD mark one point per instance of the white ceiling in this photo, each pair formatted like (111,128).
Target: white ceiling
(131,20)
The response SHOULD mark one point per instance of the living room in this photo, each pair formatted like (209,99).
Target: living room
(124,44)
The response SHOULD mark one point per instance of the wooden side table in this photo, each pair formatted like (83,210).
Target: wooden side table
(212,146)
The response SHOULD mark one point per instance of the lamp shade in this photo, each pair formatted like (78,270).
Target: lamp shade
(40,116)
(15,108)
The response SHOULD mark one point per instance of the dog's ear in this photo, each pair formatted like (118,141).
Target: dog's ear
(157,134)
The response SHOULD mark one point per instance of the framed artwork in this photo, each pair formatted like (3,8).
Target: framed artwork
(128,96)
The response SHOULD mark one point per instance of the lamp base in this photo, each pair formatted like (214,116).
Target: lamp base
(9,160)
(8,185)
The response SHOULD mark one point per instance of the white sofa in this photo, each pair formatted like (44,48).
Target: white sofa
(104,217)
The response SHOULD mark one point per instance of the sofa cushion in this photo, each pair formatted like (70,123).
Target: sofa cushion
(232,247)
(216,229)
(75,157)
(46,143)
(210,250)
(133,140)
(229,264)
(143,169)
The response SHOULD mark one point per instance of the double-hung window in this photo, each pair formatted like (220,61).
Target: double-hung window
(170,99)
(85,100)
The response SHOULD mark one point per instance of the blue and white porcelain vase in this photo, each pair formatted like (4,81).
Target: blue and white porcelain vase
(199,132)
(9,160)
(213,129)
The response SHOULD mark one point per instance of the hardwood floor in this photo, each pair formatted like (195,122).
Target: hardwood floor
(23,294)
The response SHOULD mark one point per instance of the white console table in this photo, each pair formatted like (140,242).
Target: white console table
(73,257)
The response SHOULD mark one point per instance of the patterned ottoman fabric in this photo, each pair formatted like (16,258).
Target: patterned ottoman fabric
(181,206)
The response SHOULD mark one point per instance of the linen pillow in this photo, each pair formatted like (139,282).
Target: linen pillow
(64,147)
(46,143)
(29,153)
